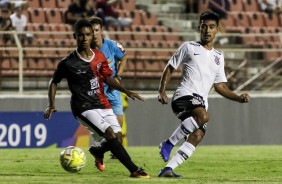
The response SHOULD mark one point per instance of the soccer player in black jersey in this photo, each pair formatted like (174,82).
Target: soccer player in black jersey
(85,71)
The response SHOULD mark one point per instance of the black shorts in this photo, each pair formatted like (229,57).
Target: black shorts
(184,106)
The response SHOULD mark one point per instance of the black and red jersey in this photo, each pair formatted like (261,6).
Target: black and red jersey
(85,80)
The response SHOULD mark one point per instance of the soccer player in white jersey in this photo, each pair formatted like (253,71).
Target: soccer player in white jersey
(203,68)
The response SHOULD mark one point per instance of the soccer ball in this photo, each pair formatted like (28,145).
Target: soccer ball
(72,159)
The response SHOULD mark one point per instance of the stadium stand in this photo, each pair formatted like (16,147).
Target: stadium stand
(236,5)
(63,3)
(36,15)
(251,6)
(53,15)
(34,4)
(127,5)
(156,32)
(49,3)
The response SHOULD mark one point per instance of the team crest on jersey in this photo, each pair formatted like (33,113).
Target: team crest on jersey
(99,66)
(216,60)
(94,86)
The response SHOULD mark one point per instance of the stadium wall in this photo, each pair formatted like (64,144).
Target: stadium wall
(149,122)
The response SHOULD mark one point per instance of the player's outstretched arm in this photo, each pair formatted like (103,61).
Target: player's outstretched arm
(133,96)
(114,84)
(166,76)
(52,89)
(121,66)
(222,89)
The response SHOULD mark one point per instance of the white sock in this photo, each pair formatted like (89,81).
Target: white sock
(182,154)
(187,126)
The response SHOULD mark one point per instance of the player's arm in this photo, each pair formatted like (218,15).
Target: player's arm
(114,84)
(52,90)
(223,90)
(165,78)
(121,67)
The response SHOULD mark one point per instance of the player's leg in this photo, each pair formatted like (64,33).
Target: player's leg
(186,150)
(119,151)
(123,132)
(110,127)
(183,108)
(185,128)
(92,119)
(116,104)
(183,153)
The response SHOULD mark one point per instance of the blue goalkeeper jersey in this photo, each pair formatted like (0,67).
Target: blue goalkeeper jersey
(113,52)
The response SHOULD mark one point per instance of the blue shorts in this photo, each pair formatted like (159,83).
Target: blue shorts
(114,97)
(117,107)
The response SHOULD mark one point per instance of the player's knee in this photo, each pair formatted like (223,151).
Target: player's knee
(204,118)
(119,136)
(201,117)
(120,120)
(109,134)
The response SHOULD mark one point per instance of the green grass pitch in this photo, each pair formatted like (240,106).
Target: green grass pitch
(209,164)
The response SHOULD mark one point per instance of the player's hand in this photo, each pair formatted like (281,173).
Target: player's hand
(48,112)
(133,96)
(245,98)
(162,97)
(117,79)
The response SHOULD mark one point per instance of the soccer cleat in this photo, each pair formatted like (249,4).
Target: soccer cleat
(140,173)
(98,157)
(99,164)
(168,172)
(165,150)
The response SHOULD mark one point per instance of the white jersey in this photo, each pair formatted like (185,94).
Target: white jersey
(201,69)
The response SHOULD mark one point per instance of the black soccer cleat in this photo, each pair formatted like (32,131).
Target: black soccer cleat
(168,172)
(95,151)
(140,173)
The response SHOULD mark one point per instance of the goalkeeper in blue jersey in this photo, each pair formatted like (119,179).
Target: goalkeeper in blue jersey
(116,57)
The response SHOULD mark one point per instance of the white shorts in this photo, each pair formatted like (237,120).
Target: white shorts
(98,120)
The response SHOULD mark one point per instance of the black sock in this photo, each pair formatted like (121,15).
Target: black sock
(118,150)
(105,147)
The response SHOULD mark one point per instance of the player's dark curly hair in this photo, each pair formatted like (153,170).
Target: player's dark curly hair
(80,23)
(209,15)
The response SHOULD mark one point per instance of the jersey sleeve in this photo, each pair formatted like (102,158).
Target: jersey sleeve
(220,76)
(179,56)
(60,72)
(119,51)
(104,70)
